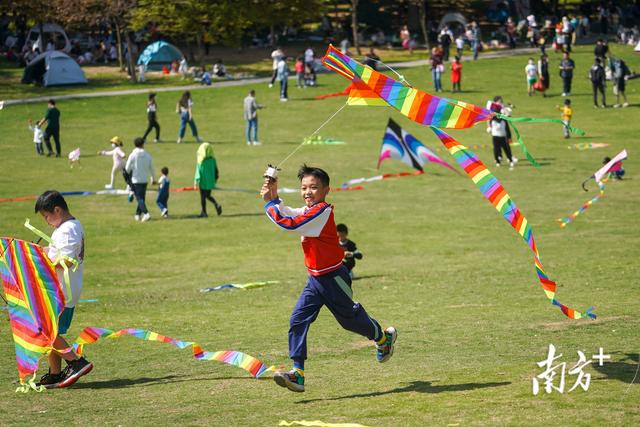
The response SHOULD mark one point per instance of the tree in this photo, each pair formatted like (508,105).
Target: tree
(283,13)
(354,25)
(422,16)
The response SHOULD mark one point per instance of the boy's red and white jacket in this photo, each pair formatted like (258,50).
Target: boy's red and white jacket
(322,251)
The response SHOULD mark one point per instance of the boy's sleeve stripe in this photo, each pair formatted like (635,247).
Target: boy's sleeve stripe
(292,223)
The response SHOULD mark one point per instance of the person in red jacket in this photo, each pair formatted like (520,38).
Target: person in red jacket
(456,74)
(329,282)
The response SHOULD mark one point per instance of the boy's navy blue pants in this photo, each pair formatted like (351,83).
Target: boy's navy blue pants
(334,291)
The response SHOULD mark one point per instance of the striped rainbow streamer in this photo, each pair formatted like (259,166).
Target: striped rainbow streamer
(249,363)
(495,193)
(35,302)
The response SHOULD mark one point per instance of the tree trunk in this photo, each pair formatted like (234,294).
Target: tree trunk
(191,57)
(132,62)
(119,41)
(42,43)
(199,50)
(273,37)
(354,25)
(423,24)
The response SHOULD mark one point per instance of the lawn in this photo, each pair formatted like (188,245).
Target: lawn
(440,265)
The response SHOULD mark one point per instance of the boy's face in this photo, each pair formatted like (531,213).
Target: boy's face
(342,236)
(54,218)
(312,190)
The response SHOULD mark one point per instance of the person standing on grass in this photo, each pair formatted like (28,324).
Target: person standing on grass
(456,74)
(543,73)
(163,192)
(140,168)
(206,177)
(329,282)
(52,117)
(251,108)
(531,73)
(566,72)
(67,243)
(152,110)
(620,73)
(598,79)
(283,78)
(437,67)
(501,135)
(567,113)
(185,109)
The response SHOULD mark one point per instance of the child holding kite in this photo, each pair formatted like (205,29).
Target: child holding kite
(65,251)
(329,282)
(566,113)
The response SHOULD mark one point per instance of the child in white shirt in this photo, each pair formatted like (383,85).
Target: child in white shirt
(67,243)
(118,156)
(38,135)
(531,71)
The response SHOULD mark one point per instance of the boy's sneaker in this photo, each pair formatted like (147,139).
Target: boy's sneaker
(292,380)
(219,209)
(156,140)
(108,187)
(74,370)
(130,196)
(165,213)
(257,143)
(248,142)
(136,217)
(50,380)
(179,141)
(146,217)
(198,139)
(385,350)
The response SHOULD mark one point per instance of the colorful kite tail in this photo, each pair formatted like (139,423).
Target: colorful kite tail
(495,193)
(569,219)
(236,358)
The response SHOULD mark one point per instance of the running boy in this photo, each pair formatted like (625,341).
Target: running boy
(329,282)
(67,240)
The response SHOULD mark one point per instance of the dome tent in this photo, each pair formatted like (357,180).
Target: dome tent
(157,54)
(53,68)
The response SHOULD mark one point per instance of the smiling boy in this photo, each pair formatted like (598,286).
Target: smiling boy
(329,282)
(67,242)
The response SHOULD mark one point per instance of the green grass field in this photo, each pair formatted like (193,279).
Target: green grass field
(440,264)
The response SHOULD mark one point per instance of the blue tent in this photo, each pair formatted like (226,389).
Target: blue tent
(158,54)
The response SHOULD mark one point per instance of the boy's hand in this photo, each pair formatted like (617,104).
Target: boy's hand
(348,254)
(269,190)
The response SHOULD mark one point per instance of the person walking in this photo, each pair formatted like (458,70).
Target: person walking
(620,73)
(566,72)
(543,73)
(185,109)
(251,108)
(206,176)
(152,109)
(140,168)
(52,117)
(275,56)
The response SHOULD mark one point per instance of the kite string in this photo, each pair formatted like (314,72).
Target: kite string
(314,132)
(400,76)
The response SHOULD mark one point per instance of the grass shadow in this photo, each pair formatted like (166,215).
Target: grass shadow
(370,276)
(417,387)
(625,370)
(147,381)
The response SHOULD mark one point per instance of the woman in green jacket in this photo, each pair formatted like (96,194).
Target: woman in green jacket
(206,177)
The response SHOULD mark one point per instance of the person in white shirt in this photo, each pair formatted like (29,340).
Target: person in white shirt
(501,135)
(38,135)
(65,250)
(531,71)
(140,167)
(118,156)
(275,55)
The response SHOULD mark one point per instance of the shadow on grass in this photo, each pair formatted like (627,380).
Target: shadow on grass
(417,387)
(146,381)
(625,370)
(370,276)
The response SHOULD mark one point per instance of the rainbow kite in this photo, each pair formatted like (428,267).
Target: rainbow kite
(495,193)
(35,302)
(445,113)
(372,87)
(400,145)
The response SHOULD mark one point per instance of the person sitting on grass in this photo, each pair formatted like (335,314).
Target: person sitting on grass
(67,241)
(329,282)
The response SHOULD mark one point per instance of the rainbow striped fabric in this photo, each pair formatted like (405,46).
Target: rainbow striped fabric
(419,106)
(495,193)
(249,363)
(35,302)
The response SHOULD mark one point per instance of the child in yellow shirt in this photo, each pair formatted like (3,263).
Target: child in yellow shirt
(567,112)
